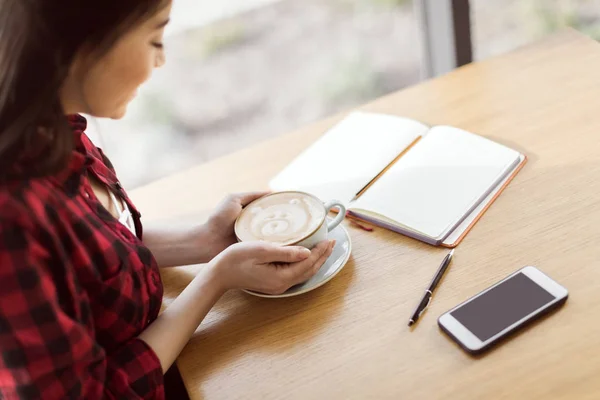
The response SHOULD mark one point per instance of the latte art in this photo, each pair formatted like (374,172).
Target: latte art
(282,218)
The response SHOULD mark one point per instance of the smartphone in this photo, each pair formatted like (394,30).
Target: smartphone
(490,316)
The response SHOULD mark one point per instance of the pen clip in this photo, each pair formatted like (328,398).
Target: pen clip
(428,302)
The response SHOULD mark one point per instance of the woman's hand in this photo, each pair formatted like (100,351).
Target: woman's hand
(219,229)
(268,268)
(175,243)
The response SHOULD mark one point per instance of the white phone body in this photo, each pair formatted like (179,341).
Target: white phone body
(473,344)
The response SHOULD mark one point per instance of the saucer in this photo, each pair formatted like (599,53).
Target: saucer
(334,264)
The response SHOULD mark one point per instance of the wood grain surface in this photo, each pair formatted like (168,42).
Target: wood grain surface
(349,339)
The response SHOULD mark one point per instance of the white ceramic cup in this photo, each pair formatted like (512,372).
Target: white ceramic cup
(322,232)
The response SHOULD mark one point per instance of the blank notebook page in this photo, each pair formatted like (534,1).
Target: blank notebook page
(439,181)
(349,155)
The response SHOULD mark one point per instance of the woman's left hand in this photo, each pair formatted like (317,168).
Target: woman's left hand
(220,225)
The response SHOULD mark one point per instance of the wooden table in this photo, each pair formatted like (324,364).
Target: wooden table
(349,339)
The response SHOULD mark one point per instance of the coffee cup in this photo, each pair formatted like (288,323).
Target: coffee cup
(290,218)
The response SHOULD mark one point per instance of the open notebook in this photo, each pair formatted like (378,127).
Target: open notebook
(431,184)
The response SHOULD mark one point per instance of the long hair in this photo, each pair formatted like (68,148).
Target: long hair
(39,40)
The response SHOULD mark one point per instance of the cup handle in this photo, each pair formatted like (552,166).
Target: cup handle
(339,218)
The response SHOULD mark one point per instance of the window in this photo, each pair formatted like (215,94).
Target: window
(502,25)
(241,71)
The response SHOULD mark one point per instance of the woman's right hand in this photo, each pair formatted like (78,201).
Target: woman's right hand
(268,268)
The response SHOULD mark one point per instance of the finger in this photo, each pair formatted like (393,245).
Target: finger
(312,270)
(296,271)
(321,260)
(246,198)
(299,272)
(318,251)
(283,254)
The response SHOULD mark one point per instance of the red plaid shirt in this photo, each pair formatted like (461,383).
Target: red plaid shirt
(76,288)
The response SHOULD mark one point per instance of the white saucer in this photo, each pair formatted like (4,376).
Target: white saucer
(334,264)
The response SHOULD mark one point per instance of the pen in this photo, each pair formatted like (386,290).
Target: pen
(429,292)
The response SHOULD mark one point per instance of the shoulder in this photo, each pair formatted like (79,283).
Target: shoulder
(28,203)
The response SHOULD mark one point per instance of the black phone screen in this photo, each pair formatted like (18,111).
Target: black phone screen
(502,306)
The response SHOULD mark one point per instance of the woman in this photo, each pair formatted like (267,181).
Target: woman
(80,290)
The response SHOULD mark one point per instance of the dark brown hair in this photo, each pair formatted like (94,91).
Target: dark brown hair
(39,40)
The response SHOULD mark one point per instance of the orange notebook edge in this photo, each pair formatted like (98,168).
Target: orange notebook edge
(488,205)
(464,234)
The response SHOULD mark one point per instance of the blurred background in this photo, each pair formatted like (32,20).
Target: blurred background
(241,71)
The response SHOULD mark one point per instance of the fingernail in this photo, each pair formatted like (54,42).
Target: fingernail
(305,252)
(333,242)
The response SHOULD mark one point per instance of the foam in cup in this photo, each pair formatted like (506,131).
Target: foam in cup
(281,218)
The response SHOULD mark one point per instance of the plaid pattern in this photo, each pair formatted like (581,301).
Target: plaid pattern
(76,288)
